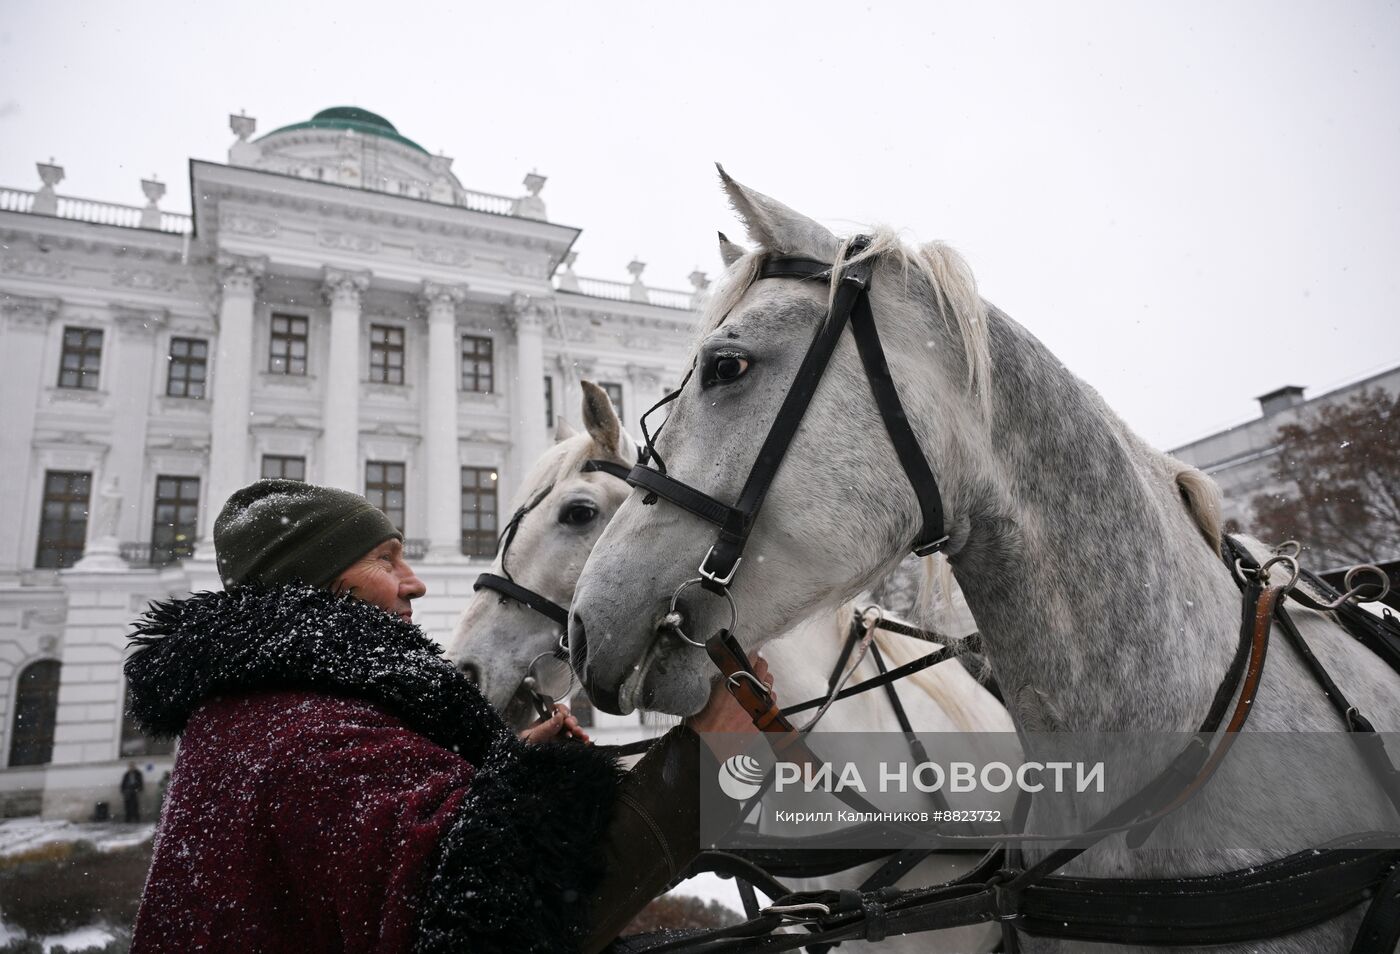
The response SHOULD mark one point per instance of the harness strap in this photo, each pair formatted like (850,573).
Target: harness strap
(1380,928)
(513,590)
(722,561)
(931,537)
(609,467)
(684,496)
(1368,742)
(744,685)
(899,672)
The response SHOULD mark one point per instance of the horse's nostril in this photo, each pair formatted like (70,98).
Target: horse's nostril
(471,672)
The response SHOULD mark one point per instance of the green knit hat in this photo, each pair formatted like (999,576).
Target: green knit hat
(284,531)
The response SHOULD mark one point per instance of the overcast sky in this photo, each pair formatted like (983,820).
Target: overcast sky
(1191,203)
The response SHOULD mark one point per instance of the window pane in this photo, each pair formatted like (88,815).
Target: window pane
(173,529)
(63,519)
(478,511)
(287,345)
(384,488)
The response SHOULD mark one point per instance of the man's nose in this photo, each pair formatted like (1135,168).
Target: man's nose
(412,588)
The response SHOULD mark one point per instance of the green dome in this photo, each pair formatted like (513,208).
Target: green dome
(355,118)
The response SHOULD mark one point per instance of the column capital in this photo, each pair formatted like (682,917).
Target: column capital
(25,313)
(241,274)
(343,286)
(529,312)
(440,299)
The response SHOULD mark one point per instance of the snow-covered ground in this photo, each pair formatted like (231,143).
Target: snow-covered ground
(19,835)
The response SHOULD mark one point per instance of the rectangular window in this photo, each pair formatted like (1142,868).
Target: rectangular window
(479,511)
(82,358)
(63,521)
(614,392)
(548,401)
(386,354)
(384,488)
(287,348)
(189,363)
(283,468)
(478,374)
(173,529)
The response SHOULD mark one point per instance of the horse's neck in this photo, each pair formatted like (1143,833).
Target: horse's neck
(1089,581)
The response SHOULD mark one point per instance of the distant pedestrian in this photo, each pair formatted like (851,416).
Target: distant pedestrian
(132,783)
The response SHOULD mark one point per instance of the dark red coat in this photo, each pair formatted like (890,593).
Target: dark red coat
(339,787)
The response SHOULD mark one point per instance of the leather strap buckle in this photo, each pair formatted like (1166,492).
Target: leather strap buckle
(716,578)
(929,549)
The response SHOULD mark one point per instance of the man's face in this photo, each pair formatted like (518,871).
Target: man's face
(383,578)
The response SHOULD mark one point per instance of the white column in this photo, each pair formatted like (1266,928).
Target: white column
(340,449)
(135,356)
(231,388)
(22,378)
(527,315)
(440,451)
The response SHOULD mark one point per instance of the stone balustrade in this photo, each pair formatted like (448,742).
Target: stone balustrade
(92,210)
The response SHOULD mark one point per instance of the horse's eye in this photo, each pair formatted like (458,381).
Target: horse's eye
(578,514)
(726,367)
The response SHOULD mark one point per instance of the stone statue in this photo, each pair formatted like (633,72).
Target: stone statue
(108,511)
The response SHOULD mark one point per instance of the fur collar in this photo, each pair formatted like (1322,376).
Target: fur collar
(297,637)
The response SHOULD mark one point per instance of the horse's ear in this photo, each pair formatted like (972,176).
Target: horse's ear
(563,430)
(728,251)
(776,227)
(600,419)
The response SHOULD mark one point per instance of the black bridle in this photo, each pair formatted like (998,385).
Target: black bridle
(850,304)
(505,584)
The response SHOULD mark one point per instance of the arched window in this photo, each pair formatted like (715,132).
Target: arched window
(35,712)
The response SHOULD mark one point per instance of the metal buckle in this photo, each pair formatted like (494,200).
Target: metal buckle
(716,580)
(929,549)
(741,676)
(809,911)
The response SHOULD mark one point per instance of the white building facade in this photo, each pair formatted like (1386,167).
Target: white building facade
(337,308)
(1241,459)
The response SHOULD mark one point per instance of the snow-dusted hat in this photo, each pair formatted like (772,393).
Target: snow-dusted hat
(285,531)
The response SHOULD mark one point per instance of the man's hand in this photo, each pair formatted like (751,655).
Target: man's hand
(722,713)
(560,724)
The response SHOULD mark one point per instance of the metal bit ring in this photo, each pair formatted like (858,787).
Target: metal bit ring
(675,598)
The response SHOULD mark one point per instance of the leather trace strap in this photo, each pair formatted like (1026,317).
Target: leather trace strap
(505,585)
(850,305)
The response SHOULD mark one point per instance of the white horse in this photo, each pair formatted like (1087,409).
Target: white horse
(1089,560)
(501,640)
